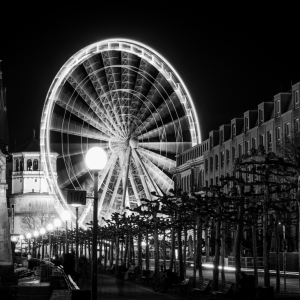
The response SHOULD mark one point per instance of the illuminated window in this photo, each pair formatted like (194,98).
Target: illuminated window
(277,108)
(211,162)
(287,129)
(296,125)
(17,165)
(269,140)
(217,161)
(261,116)
(246,147)
(261,140)
(233,130)
(35,165)
(253,142)
(29,165)
(233,153)
(246,124)
(227,157)
(222,159)
(278,135)
(240,150)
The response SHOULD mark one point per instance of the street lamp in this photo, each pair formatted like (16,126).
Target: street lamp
(42,232)
(50,228)
(66,216)
(95,161)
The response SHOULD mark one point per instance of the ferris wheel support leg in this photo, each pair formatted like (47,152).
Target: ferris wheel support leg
(125,178)
(136,194)
(136,154)
(142,176)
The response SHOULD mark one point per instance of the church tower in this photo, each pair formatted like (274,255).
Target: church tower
(4,138)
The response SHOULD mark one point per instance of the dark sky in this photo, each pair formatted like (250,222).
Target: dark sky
(231,59)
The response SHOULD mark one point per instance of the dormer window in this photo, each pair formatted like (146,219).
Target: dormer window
(261,117)
(296,98)
(277,108)
(246,124)
(233,129)
(35,165)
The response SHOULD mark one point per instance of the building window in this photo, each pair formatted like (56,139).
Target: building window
(211,182)
(17,165)
(277,108)
(233,130)
(227,157)
(287,129)
(222,159)
(206,166)
(240,150)
(211,142)
(278,135)
(217,180)
(296,98)
(21,165)
(211,163)
(296,125)
(233,153)
(217,161)
(221,137)
(253,142)
(246,147)
(261,140)
(35,165)
(269,140)
(29,165)
(246,124)
(261,116)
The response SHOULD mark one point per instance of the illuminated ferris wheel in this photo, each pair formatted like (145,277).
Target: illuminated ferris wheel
(126,98)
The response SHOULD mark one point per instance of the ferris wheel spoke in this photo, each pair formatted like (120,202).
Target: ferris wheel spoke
(92,102)
(162,161)
(157,174)
(72,127)
(87,116)
(133,185)
(167,147)
(74,171)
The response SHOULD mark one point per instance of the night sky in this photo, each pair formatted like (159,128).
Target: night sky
(230,59)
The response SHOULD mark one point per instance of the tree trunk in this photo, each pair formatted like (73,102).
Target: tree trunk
(265,235)
(254,250)
(105,256)
(195,256)
(238,241)
(117,255)
(111,250)
(179,241)
(147,251)
(129,250)
(156,249)
(277,259)
(172,253)
(207,244)
(184,251)
(199,247)
(215,283)
(126,251)
(165,249)
(223,236)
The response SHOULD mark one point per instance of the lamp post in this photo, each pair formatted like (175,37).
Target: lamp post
(66,216)
(49,228)
(35,235)
(57,224)
(42,232)
(95,160)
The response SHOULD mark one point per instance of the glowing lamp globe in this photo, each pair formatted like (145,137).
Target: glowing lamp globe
(35,233)
(14,239)
(96,159)
(42,231)
(21,237)
(66,216)
(28,236)
(57,222)
(50,227)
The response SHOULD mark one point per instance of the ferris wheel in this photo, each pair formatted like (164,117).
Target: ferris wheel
(126,98)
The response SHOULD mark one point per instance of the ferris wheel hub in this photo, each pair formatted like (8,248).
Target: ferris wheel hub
(134,142)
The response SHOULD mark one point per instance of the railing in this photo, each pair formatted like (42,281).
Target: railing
(246,262)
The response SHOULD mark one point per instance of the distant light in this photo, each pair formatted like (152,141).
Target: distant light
(35,233)
(66,216)
(57,222)
(50,227)
(21,237)
(28,235)
(96,159)
(42,231)
(13,238)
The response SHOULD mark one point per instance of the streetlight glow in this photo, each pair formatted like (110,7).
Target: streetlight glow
(14,239)
(42,231)
(50,227)
(57,222)
(96,159)
(66,216)
(28,235)
(35,233)
(21,237)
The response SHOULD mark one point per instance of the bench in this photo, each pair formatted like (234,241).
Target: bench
(182,286)
(227,292)
(204,289)
(147,278)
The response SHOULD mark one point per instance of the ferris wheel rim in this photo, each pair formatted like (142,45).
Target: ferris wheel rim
(77,59)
